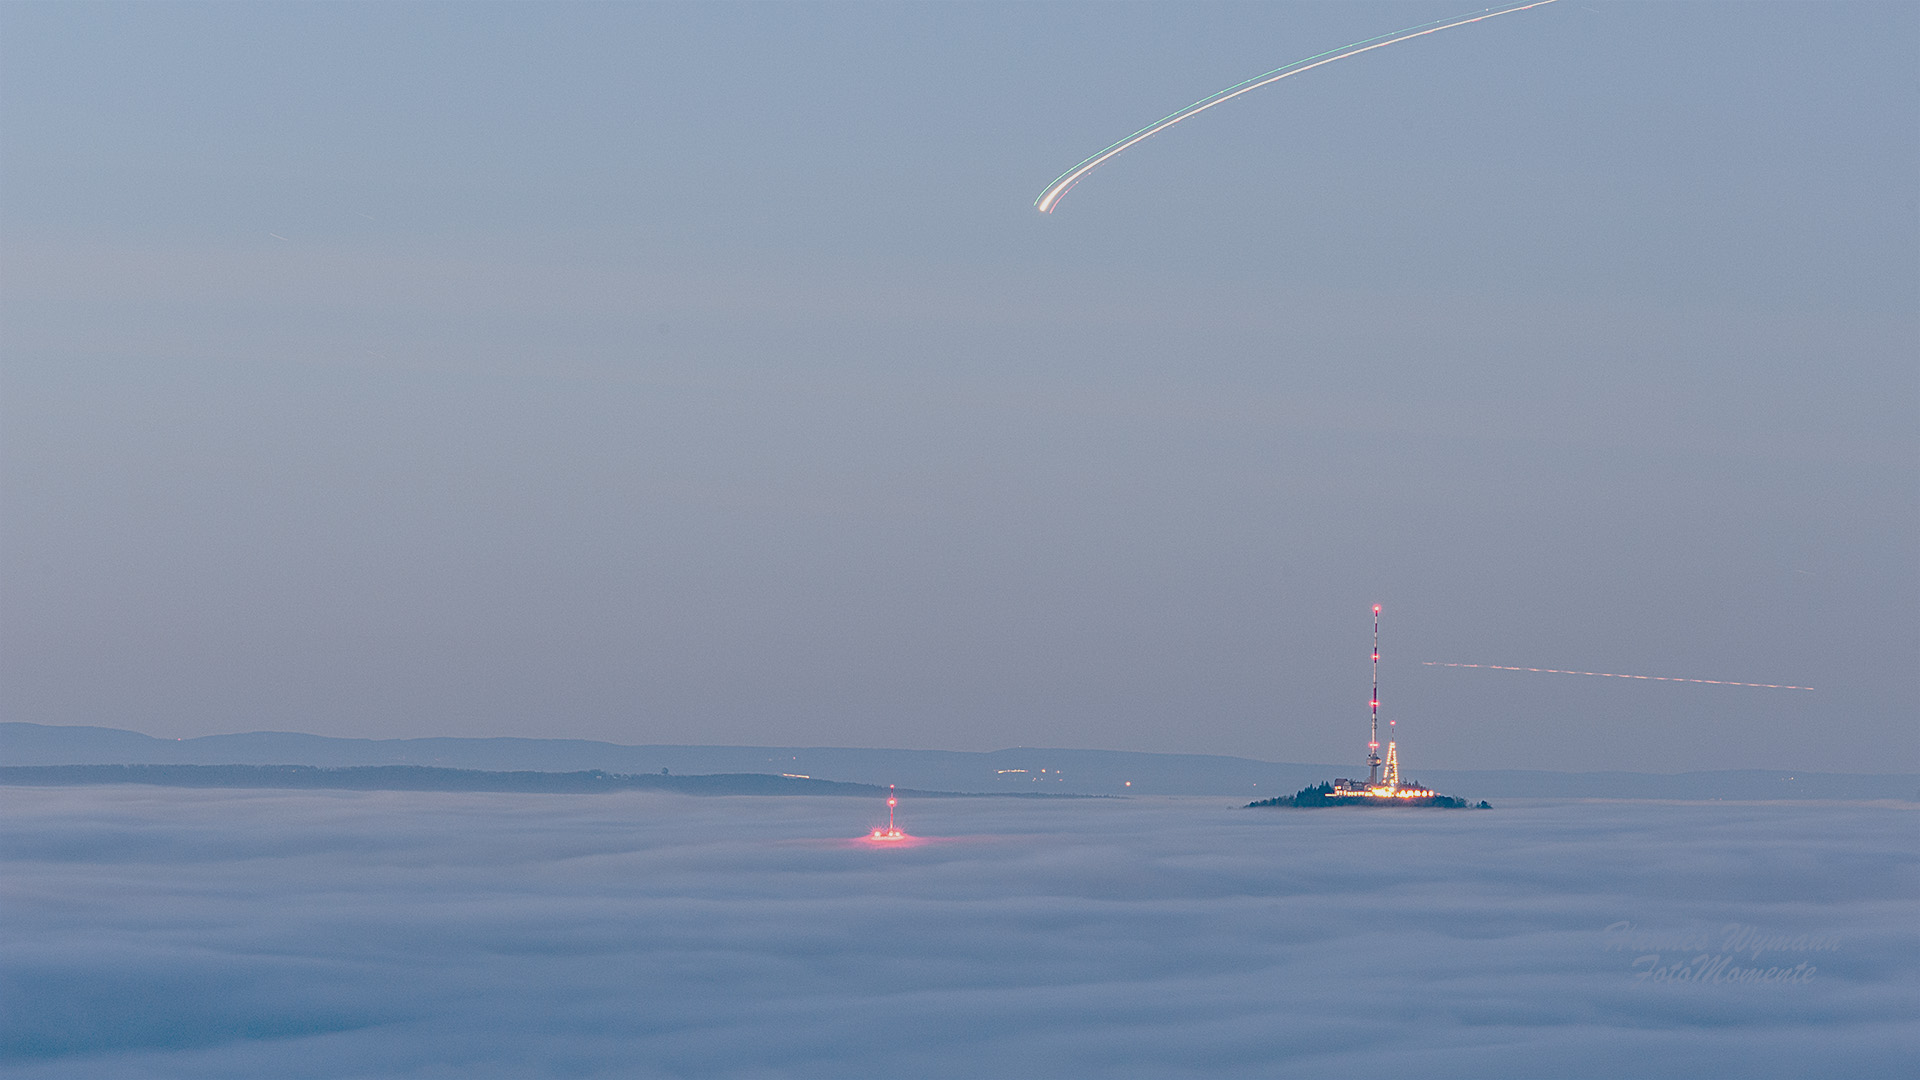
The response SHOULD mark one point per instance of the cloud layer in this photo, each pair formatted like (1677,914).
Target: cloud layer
(324,934)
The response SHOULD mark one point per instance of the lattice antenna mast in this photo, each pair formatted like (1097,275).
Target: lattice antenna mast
(1373,736)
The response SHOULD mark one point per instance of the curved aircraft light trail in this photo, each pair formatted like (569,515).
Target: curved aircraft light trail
(1616,675)
(1057,190)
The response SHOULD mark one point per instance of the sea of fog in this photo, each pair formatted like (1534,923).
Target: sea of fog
(168,933)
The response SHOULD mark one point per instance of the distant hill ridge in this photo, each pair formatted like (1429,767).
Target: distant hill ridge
(1019,769)
(430,778)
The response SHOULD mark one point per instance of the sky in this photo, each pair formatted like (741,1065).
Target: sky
(703,374)
(163,932)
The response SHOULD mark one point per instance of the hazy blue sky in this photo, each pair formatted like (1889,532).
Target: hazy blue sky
(703,374)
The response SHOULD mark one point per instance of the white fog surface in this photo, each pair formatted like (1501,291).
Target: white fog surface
(160,933)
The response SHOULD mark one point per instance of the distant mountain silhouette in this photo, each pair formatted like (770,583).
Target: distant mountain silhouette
(1020,769)
(428,778)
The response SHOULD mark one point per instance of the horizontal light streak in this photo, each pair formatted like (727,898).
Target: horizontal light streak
(1618,675)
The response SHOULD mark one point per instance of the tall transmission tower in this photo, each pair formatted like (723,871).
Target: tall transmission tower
(1373,736)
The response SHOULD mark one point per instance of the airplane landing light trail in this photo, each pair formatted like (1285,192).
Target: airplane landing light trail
(1617,675)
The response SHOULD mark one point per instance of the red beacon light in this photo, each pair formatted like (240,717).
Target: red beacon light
(892,831)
